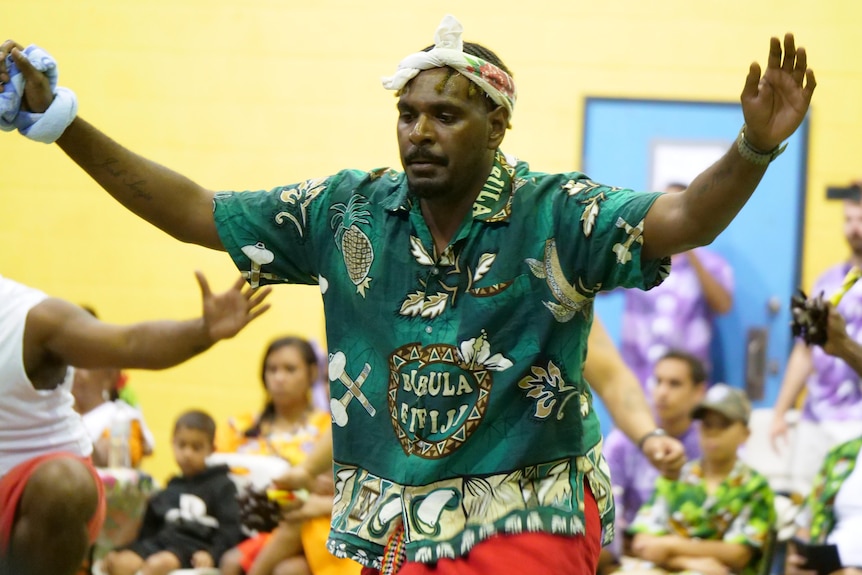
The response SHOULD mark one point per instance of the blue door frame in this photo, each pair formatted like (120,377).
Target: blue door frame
(763,243)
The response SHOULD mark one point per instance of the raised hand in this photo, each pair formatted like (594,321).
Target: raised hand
(37,89)
(775,104)
(227,313)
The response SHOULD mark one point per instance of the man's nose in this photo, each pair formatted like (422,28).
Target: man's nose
(421,132)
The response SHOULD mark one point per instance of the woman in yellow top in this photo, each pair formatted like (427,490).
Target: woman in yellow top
(289,427)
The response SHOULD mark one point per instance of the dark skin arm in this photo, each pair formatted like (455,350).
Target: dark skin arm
(58,334)
(773,105)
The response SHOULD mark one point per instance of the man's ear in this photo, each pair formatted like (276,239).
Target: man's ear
(498,120)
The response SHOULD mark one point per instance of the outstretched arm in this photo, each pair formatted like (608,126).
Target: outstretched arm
(163,197)
(773,105)
(624,398)
(58,332)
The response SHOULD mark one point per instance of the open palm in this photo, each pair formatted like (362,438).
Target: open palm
(775,104)
(225,314)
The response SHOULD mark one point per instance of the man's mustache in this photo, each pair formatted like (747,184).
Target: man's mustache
(424,155)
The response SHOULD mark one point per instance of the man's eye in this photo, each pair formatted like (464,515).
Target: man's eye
(446,118)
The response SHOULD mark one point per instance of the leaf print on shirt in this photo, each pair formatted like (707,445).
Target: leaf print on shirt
(546,386)
(302,195)
(355,247)
(591,202)
(430,305)
(591,212)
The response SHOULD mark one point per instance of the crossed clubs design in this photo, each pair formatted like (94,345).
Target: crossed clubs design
(338,407)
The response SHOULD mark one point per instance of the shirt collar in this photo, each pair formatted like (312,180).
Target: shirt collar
(494,202)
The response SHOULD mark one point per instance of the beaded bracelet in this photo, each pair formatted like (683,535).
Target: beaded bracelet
(752,154)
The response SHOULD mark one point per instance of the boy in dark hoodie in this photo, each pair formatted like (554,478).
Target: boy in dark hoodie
(194,519)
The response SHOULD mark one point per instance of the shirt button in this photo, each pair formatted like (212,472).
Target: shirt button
(428,329)
(434,271)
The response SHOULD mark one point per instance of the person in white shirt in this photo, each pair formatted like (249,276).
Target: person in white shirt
(102,411)
(51,500)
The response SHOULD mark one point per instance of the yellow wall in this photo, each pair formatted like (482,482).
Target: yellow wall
(250,95)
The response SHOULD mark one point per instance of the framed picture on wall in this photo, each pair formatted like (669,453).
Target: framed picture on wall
(680,161)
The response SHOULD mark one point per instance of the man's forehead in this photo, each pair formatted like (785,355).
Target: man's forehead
(441,81)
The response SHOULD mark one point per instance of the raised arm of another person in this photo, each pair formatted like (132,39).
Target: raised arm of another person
(799,367)
(620,391)
(162,197)
(839,343)
(59,333)
(773,105)
(717,296)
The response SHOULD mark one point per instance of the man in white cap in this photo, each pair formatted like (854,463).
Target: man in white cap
(458,297)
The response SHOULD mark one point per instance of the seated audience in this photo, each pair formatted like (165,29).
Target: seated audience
(97,401)
(289,427)
(679,385)
(716,518)
(194,519)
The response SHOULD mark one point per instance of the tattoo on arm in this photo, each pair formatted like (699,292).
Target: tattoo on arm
(129,180)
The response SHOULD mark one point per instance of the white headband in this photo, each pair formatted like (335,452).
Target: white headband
(448,51)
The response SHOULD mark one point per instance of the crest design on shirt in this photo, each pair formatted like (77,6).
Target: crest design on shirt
(301,196)
(438,394)
(430,305)
(352,242)
(570,299)
(548,386)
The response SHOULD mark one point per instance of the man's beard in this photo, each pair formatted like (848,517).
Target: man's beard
(426,189)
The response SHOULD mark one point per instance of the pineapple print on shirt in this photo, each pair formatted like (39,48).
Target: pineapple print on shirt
(352,242)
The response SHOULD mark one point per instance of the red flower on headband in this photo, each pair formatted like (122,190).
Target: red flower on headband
(497,78)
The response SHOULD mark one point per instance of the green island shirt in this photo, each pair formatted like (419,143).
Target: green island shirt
(741,510)
(819,510)
(458,402)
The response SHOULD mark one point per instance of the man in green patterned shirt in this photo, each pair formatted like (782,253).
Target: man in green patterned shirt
(458,296)
(717,516)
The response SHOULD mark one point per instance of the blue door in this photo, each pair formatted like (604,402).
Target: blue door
(643,145)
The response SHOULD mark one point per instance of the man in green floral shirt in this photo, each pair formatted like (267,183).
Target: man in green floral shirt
(458,297)
(718,514)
